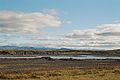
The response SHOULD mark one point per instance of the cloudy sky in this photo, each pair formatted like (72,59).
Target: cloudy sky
(76,24)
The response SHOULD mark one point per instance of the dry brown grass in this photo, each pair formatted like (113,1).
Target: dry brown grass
(38,69)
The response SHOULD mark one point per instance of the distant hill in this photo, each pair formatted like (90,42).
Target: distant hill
(15,50)
(7,47)
(30,48)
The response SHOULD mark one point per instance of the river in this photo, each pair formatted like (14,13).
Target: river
(64,57)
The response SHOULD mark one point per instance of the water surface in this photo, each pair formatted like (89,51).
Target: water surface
(64,57)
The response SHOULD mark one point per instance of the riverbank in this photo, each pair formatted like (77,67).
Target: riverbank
(60,52)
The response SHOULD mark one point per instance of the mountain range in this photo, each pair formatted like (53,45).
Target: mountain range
(30,48)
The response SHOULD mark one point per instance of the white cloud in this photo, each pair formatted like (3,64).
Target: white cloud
(19,22)
(82,33)
(109,29)
(106,36)
(101,37)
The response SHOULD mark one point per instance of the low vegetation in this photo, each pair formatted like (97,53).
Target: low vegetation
(59,52)
(39,69)
(91,74)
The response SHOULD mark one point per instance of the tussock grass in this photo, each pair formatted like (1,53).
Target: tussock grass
(90,74)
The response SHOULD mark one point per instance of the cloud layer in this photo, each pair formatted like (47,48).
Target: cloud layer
(19,22)
(106,36)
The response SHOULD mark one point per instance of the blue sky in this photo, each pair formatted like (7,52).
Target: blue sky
(76,17)
(83,13)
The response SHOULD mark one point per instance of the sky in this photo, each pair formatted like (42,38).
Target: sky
(76,24)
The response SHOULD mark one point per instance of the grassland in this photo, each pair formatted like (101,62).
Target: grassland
(43,69)
(93,74)
(52,69)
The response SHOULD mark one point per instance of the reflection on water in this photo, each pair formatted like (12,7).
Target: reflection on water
(81,57)
(64,57)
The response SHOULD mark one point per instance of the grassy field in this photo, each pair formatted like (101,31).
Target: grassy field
(40,69)
(91,74)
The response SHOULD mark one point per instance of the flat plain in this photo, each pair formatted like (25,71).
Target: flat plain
(58,69)
(45,69)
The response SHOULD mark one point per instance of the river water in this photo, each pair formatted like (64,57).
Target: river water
(65,57)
